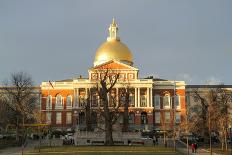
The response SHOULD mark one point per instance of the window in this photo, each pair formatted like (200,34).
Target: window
(131,118)
(157,117)
(143,118)
(143,101)
(120,118)
(112,98)
(167,117)
(48,117)
(166,101)
(59,102)
(68,118)
(95,99)
(82,97)
(94,119)
(81,118)
(157,101)
(58,118)
(69,102)
(177,102)
(49,102)
(132,100)
(187,100)
(178,117)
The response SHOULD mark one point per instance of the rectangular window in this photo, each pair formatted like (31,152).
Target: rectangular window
(95,98)
(157,117)
(132,100)
(131,118)
(143,101)
(48,117)
(68,118)
(178,117)
(82,97)
(167,117)
(156,101)
(58,118)
(177,102)
(187,100)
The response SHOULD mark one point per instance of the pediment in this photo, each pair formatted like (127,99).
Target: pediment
(114,65)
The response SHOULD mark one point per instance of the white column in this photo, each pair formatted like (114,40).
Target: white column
(117,102)
(138,97)
(151,97)
(148,97)
(77,97)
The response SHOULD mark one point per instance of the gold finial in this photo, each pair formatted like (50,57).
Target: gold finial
(114,23)
(113,29)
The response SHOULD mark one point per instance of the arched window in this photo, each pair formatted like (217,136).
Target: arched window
(49,102)
(59,102)
(69,102)
(166,101)
(177,102)
(144,118)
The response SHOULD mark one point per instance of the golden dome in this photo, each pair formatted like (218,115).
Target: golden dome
(113,49)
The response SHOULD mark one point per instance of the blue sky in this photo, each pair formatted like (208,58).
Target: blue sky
(57,39)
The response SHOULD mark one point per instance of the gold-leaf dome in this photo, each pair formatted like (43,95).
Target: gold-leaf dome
(113,49)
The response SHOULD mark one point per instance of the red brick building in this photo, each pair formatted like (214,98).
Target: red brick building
(154,103)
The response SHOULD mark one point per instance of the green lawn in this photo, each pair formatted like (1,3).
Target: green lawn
(228,152)
(102,150)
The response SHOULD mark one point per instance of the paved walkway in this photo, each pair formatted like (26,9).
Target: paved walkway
(182,147)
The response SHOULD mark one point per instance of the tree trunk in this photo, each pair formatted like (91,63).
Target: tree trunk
(108,119)
(88,115)
(17,129)
(225,135)
(108,136)
(125,113)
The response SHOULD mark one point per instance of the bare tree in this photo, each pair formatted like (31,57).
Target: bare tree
(109,113)
(211,113)
(20,99)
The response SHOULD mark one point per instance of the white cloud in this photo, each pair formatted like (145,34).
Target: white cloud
(213,81)
(185,77)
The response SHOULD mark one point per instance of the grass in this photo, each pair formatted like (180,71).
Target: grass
(218,151)
(4,143)
(102,150)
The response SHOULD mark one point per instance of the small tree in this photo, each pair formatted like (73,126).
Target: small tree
(211,113)
(20,99)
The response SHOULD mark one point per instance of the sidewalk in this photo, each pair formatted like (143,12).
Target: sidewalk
(182,147)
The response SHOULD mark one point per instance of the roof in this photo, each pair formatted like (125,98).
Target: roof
(208,86)
(65,80)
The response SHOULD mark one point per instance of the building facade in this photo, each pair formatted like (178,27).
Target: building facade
(154,103)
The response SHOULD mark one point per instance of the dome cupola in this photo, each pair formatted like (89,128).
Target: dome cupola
(113,49)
